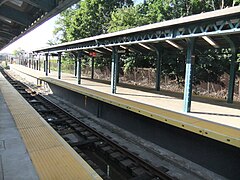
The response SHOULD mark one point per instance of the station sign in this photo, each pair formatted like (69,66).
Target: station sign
(92,54)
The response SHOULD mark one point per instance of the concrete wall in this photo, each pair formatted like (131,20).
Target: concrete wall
(211,154)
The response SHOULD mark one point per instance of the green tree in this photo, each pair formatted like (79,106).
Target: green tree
(63,24)
(127,17)
(88,18)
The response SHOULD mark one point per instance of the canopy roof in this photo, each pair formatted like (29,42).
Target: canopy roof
(18,17)
(214,29)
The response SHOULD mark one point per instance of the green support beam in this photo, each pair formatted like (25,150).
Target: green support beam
(59,64)
(159,53)
(114,69)
(190,60)
(79,65)
(46,64)
(49,65)
(233,65)
(75,64)
(39,63)
(92,75)
(232,76)
(118,69)
(15,15)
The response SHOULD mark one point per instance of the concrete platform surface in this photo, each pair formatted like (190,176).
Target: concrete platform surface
(15,162)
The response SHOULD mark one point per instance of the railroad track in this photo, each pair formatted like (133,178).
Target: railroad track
(107,158)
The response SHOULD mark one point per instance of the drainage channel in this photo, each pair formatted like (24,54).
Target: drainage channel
(106,157)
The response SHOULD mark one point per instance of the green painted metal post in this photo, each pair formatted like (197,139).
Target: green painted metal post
(49,65)
(92,75)
(46,64)
(232,69)
(188,76)
(232,75)
(118,69)
(158,68)
(79,64)
(75,65)
(59,65)
(39,64)
(114,70)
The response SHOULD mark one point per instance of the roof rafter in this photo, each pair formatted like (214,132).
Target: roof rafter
(45,5)
(15,15)
(7,34)
(3,1)
(214,23)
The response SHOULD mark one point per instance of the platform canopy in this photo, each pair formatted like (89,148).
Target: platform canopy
(18,17)
(211,30)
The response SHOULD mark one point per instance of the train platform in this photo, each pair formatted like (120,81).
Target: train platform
(29,147)
(15,162)
(219,120)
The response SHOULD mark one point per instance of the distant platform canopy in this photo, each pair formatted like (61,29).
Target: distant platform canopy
(191,34)
(216,29)
(18,17)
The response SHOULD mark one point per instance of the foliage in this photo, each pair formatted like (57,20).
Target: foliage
(88,18)
(94,17)
(18,52)
(127,17)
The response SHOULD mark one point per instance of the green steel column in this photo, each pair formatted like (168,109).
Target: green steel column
(49,65)
(188,76)
(118,69)
(79,64)
(59,64)
(39,64)
(46,64)
(232,69)
(92,75)
(232,75)
(158,68)
(75,65)
(114,70)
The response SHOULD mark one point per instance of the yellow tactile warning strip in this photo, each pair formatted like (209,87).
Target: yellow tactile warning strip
(52,157)
(209,129)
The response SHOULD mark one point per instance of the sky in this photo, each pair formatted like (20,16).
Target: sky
(37,38)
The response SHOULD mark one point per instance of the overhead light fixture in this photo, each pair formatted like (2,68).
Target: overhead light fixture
(123,47)
(210,41)
(174,44)
(6,20)
(98,51)
(107,49)
(145,46)
(16,2)
(86,52)
(127,48)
